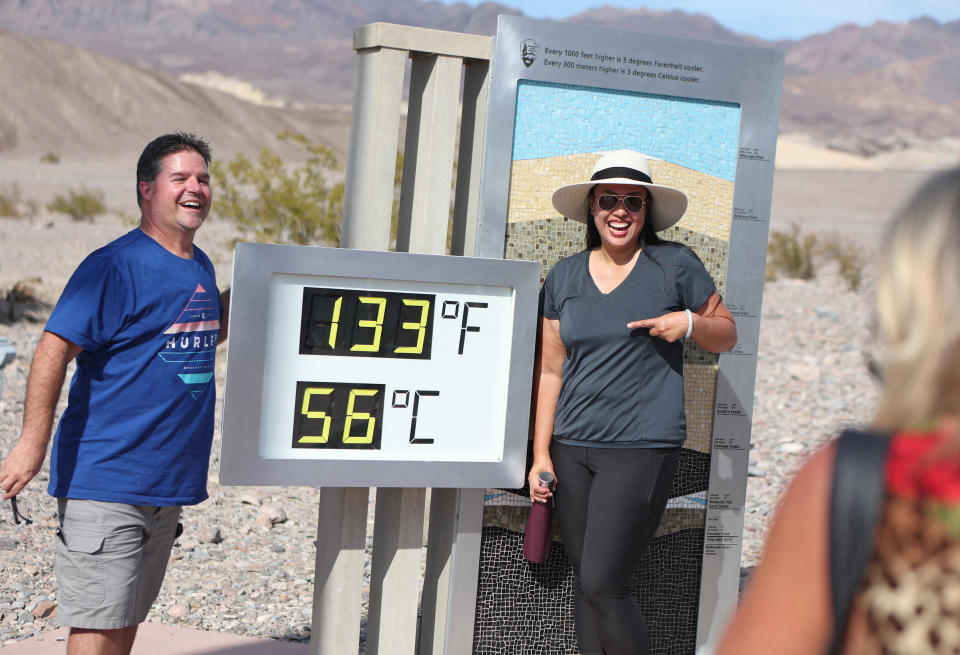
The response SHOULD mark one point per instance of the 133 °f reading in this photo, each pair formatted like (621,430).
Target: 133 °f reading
(364,323)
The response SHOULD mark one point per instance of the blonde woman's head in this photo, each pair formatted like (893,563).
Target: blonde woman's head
(918,308)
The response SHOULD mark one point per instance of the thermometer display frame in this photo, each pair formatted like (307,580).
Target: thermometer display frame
(353,368)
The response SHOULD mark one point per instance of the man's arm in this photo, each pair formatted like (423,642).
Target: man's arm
(47,372)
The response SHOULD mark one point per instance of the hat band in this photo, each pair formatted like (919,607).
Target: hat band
(623,172)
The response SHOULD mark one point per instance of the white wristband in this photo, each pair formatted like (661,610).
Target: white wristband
(689,323)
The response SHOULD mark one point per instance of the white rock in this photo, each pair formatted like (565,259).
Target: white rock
(804,372)
(270,515)
(177,611)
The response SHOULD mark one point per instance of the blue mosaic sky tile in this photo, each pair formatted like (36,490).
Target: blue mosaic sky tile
(562,119)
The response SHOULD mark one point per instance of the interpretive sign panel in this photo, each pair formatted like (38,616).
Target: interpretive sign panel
(706,115)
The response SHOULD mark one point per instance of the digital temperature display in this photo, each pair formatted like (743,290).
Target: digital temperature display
(357,323)
(357,368)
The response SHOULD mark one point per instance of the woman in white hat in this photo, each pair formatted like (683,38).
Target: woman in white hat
(609,385)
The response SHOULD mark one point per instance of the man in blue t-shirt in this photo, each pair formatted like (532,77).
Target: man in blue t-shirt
(142,316)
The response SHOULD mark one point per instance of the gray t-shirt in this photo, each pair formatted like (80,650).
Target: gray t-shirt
(622,388)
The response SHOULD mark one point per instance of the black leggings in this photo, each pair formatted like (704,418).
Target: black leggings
(609,502)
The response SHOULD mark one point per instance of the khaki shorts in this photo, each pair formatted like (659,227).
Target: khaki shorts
(111,559)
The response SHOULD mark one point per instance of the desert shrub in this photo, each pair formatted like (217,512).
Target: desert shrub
(10,201)
(30,207)
(50,158)
(14,205)
(795,255)
(849,259)
(791,254)
(269,200)
(79,204)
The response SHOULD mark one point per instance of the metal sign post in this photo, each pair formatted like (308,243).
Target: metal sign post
(706,114)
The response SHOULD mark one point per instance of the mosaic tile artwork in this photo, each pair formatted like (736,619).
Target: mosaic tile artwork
(561,119)
(527,609)
(560,132)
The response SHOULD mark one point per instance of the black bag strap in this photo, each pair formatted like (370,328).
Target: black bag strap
(856,503)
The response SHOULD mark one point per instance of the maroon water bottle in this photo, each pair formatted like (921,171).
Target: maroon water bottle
(536,540)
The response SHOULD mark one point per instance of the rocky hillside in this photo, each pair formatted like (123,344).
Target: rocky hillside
(300,51)
(866,90)
(875,88)
(80,105)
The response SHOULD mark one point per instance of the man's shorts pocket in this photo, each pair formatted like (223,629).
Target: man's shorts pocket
(79,565)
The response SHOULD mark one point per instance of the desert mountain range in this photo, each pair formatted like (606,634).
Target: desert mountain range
(79,105)
(864,90)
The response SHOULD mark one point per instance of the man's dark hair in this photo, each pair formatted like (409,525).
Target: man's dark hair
(148,167)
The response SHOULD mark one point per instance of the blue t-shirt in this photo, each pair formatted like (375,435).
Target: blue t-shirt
(622,388)
(139,419)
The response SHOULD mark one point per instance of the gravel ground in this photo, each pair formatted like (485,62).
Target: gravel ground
(811,381)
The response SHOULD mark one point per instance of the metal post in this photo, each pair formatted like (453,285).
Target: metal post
(395,571)
(374,132)
(427,177)
(450,581)
(367,208)
(470,158)
(339,570)
(430,143)
(428,154)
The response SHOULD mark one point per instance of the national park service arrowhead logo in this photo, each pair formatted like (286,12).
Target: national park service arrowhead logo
(529,49)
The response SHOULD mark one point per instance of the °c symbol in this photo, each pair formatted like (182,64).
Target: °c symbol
(418,394)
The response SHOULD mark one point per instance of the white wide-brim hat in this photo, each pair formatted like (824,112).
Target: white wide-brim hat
(623,167)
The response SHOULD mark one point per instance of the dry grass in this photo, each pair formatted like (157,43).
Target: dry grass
(79,204)
(793,254)
(10,201)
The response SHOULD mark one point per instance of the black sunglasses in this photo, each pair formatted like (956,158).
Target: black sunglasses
(608,202)
(17,516)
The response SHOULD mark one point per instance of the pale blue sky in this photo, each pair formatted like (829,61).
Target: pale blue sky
(768,19)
